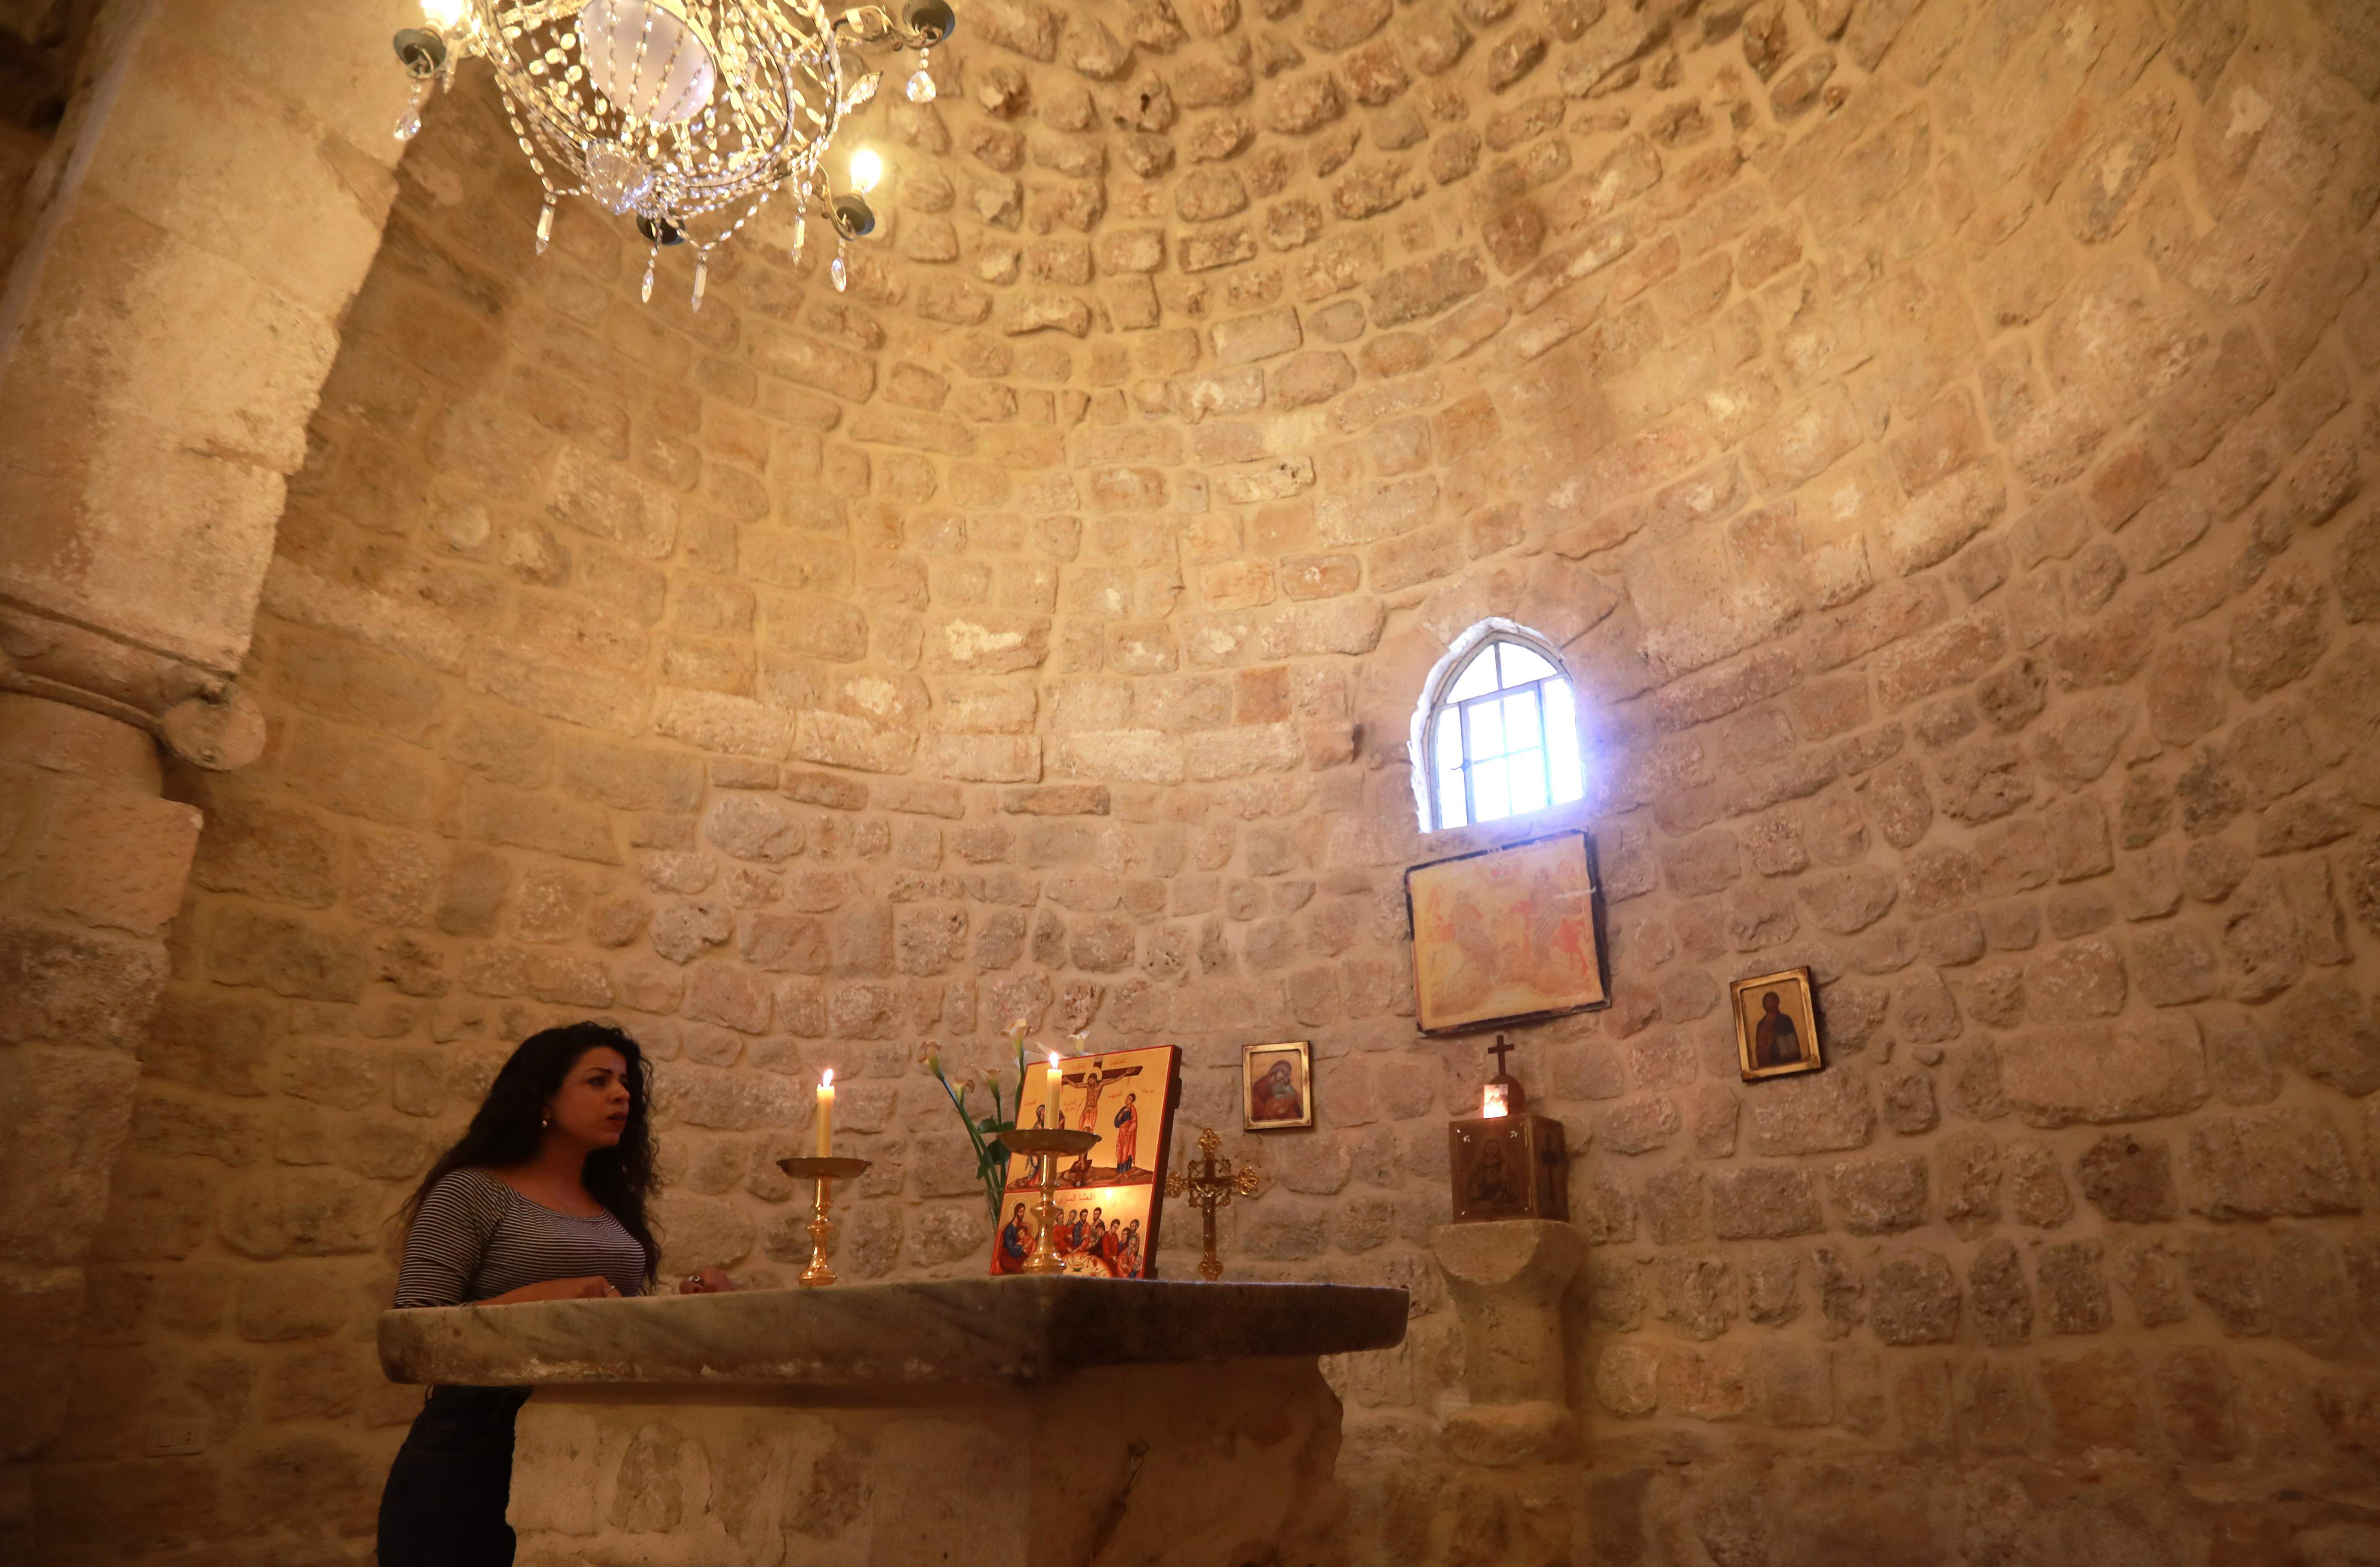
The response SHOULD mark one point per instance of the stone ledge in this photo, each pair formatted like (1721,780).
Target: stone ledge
(853,1338)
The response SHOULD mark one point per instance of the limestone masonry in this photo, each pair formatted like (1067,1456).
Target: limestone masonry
(1932,431)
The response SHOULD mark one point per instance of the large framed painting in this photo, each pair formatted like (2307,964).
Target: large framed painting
(1506,935)
(1109,1199)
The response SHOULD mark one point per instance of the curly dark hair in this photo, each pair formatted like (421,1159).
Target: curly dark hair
(508,1126)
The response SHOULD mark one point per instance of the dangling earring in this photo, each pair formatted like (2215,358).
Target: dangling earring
(545,1122)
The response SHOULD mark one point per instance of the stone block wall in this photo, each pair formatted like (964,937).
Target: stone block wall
(1933,431)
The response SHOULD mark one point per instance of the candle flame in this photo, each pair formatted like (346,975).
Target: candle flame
(1053,1061)
(827,1081)
(1492,1102)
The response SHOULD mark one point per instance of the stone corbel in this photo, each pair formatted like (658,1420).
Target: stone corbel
(1507,1277)
(200,715)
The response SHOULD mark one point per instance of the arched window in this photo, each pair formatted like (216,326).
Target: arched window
(1497,732)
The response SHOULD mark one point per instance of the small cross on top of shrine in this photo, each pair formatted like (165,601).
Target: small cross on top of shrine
(1503,1095)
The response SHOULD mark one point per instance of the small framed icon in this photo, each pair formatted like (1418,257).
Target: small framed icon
(1277,1085)
(1776,1027)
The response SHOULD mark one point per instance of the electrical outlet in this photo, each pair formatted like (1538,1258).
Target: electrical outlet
(169,1439)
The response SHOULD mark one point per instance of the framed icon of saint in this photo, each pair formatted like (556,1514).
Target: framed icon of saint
(1776,1025)
(1277,1085)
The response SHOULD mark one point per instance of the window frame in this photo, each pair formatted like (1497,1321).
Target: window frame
(1479,643)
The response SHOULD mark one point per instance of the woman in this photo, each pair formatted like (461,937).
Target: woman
(543,1199)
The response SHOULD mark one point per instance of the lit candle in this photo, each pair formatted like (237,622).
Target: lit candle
(1494,1103)
(826,1115)
(1050,1096)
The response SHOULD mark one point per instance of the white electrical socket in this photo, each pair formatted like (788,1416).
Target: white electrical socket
(170,1438)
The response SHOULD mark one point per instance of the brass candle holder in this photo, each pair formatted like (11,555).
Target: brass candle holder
(1046,1146)
(826,1173)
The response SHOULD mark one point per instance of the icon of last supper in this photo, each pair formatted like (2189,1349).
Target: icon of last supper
(1108,1197)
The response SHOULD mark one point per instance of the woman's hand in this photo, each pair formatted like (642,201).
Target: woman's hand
(592,1287)
(706,1281)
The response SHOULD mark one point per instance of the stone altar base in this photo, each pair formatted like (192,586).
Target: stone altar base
(1237,1469)
(1006,1423)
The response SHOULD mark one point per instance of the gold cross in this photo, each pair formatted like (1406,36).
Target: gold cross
(1209,1184)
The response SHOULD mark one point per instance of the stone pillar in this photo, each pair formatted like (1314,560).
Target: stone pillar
(188,245)
(211,205)
(1507,1277)
(91,867)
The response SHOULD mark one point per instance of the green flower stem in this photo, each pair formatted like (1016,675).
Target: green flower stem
(991,1167)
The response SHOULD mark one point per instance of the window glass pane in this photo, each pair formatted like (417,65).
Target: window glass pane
(1562,741)
(1488,790)
(1446,740)
(1515,744)
(1523,665)
(1487,731)
(1478,677)
(1519,721)
(1446,743)
(1527,777)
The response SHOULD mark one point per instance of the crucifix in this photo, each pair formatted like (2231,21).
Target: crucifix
(1095,1080)
(1210,1185)
(1499,1049)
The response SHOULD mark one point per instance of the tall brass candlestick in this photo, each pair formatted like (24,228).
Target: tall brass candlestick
(1209,1184)
(1045,1145)
(826,1173)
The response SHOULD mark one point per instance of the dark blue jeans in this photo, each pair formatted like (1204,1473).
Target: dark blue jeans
(444,1505)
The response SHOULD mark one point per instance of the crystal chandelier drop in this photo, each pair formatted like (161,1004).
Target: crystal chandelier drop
(689,114)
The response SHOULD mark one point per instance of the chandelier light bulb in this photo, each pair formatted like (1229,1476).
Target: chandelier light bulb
(642,55)
(867,170)
(445,15)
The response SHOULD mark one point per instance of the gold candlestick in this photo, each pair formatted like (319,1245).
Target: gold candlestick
(1209,1184)
(1045,1144)
(826,1173)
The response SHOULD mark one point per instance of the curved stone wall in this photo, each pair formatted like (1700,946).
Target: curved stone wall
(1933,432)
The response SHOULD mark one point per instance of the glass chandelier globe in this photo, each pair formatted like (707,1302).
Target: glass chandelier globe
(644,58)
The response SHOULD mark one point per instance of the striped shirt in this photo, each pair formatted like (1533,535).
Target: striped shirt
(475,1238)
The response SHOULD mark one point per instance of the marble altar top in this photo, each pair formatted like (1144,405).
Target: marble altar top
(898,1335)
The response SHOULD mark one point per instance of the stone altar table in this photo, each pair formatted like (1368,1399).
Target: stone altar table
(1017,1422)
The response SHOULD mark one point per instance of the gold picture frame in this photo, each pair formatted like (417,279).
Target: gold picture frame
(1277,1085)
(1776,1024)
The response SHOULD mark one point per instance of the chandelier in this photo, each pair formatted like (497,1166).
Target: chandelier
(689,114)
